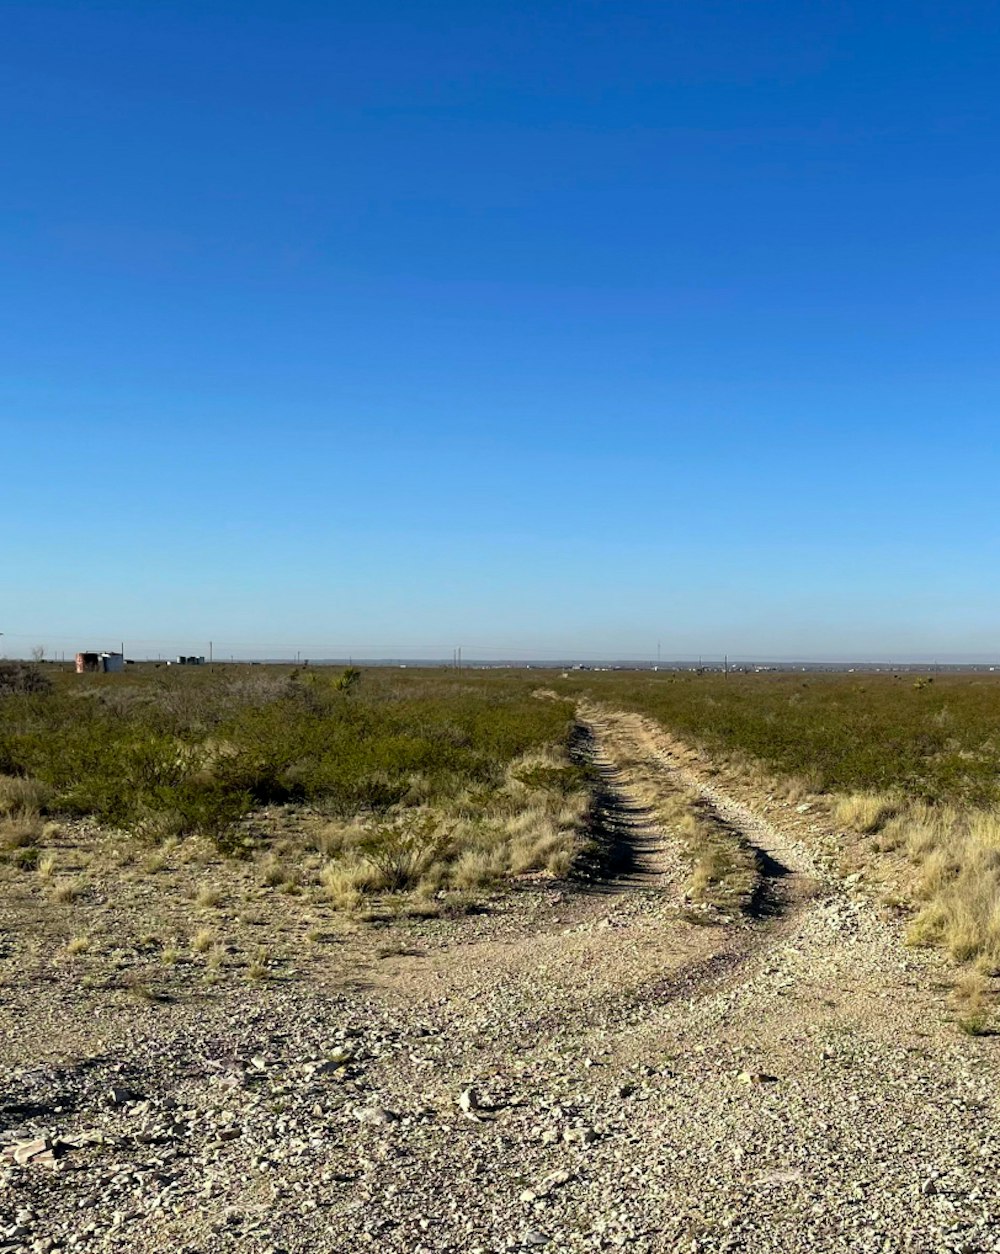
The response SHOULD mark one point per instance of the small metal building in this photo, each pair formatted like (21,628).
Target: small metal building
(108,663)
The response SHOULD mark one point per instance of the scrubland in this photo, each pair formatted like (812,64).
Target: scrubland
(359,792)
(421,788)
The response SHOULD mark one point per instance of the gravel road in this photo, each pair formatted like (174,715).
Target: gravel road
(585,1066)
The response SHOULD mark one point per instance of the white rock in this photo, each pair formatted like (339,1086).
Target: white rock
(468,1103)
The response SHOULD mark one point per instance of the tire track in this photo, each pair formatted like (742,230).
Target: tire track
(789,877)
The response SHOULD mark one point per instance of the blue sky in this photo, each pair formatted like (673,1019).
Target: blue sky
(549,328)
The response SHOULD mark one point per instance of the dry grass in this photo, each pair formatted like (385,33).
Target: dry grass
(475,868)
(144,993)
(973,995)
(208,897)
(957,855)
(955,851)
(724,870)
(346,881)
(20,795)
(975,1025)
(796,788)
(971,990)
(332,837)
(46,865)
(272,872)
(22,802)
(202,941)
(78,945)
(66,891)
(260,967)
(19,830)
(865,812)
(531,824)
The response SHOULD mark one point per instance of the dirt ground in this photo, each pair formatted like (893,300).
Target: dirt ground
(580,1065)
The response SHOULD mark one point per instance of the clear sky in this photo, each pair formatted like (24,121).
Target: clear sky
(539,328)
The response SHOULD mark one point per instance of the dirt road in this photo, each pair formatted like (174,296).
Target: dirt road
(586,1067)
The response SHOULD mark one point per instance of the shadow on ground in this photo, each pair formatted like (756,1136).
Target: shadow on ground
(621,832)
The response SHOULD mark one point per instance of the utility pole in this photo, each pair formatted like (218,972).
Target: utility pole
(725,667)
(210,652)
(657,654)
(459,657)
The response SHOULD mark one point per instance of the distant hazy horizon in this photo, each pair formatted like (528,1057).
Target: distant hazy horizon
(416,656)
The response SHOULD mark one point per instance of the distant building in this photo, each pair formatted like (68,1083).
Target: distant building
(106,663)
(187,661)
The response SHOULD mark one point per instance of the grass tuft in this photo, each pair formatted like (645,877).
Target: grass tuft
(975,1025)
(66,891)
(260,967)
(208,897)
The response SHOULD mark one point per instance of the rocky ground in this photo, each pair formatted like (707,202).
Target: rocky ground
(583,1066)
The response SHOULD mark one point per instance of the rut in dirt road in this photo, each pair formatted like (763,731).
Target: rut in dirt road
(620,742)
(632,851)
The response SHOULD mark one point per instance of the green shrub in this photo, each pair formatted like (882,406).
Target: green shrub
(401,850)
(21,679)
(169,753)
(561,779)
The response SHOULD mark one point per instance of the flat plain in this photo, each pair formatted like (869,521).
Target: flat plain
(300,960)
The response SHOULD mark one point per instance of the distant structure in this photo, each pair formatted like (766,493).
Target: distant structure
(187,661)
(106,663)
